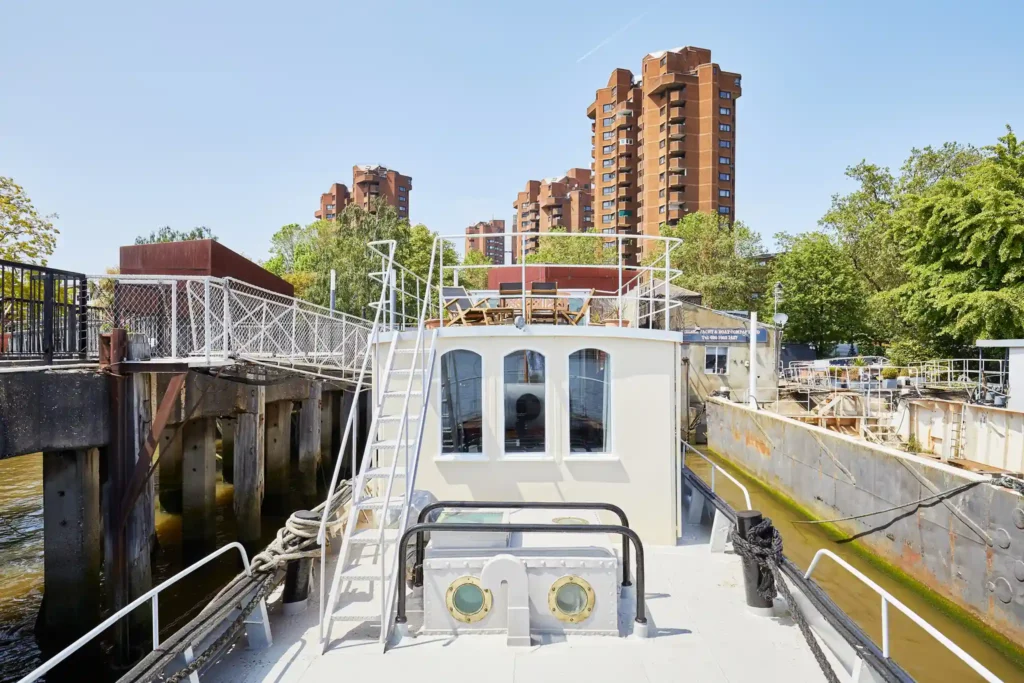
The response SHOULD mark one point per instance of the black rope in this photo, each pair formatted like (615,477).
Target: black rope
(763,545)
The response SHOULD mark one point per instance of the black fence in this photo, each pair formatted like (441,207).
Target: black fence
(44,314)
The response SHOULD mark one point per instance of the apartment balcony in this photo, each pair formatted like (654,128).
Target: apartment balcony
(551,200)
(677,165)
(675,198)
(677,131)
(629,142)
(675,214)
(624,163)
(669,81)
(624,118)
(677,179)
(624,193)
(676,148)
(677,97)
(676,114)
(360,177)
(625,178)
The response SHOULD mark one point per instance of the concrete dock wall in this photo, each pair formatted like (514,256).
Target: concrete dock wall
(968,547)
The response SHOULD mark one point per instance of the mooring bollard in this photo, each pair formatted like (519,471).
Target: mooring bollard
(752,569)
(296,579)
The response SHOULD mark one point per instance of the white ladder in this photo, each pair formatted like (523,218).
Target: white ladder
(367,560)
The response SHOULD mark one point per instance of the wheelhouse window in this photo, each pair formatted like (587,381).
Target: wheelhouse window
(461,402)
(589,401)
(716,360)
(524,402)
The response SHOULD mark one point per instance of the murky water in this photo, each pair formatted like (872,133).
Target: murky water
(913,649)
(21,564)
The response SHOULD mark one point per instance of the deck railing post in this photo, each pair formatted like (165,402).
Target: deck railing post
(206,318)
(667,275)
(174,319)
(885,627)
(226,323)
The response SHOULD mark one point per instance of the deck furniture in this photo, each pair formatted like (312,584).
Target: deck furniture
(462,310)
(575,317)
(543,304)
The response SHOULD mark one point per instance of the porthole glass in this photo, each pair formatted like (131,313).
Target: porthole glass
(570,520)
(467,600)
(571,599)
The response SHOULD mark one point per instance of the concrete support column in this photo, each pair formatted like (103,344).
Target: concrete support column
(249,465)
(227,448)
(326,421)
(170,470)
(309,438)
(199,483)
(278,447)
(72,554)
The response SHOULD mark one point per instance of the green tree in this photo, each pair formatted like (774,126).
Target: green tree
(24,235)
(475,278)
(717,260)
(824,293)
(963,238)
(167,234)
(571,250)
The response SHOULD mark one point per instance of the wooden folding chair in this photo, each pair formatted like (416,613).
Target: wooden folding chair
(460,307)
(541,308)
(575,317)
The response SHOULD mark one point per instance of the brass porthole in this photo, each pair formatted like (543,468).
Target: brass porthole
(569,520)
(571,599)
(467,600)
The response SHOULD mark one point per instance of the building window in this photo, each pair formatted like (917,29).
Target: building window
(524,224)
(663,60)
(661,193)
(608,190)
(608,204)
(589,402)
(661,128)
(330,216)
(737,80)
(724,127)
(608,121)
(661,177)
(725,94)
(607,218)
(608,135)
(608,176)
(723,209)
(461,402)
(661,209)
(724,176)
(608,163)
(724,111)
(724,160)
(401,188)
(716,360)
(725,193)
(524,402)
(330,207)
(607,149)
(661,160)
(725,143)
(401,198)
(661,144)
(607,108)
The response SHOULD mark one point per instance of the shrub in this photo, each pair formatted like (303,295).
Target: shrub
(890,373)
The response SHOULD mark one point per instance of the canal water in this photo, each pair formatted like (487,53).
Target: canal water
(913,649)
(21,564)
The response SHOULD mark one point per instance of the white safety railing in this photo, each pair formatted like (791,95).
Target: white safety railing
(889,599)
(207,321)
(642,295)
(152,596)
(406,295)
(989,375)
(715,467)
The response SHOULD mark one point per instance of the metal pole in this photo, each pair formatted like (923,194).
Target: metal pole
(206,317)
(226,325)
(333,288)
(174,319)
(618,302)
(666,285)
(752,384)
(48,318)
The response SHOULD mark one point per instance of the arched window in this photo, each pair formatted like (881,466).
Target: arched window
(524,402)
(461,402)
(589,401)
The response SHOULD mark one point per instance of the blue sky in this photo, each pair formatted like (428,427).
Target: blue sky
(126,116)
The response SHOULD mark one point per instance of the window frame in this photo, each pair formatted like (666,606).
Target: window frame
(439,455)
(705,366)
(545,454)
(609,423)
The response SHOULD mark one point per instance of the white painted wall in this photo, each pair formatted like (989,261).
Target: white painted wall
(639,474)
(991,436)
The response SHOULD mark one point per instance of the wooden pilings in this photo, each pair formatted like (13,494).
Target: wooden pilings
(199,484)
(278,454)
(227,448)
(326,432)
(249,465)
(309,439)
(170,470)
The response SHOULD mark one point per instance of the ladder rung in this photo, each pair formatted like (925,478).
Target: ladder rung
(388,394)
(378,503)
(396,418)
(370,536)
(407,351)
(391,443)
(383,472)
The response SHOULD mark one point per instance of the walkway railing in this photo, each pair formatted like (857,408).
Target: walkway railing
(44,314)
(717,468)
(152,596)
(889,599)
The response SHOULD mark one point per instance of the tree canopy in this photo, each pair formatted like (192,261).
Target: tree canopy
(25,235)
(167,234)
(717,260)
(570,250)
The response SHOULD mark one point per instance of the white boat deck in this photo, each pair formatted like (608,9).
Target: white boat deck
(701,630)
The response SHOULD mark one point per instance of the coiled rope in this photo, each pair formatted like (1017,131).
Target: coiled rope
(763,545)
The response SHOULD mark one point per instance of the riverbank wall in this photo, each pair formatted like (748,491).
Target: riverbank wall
(968,547)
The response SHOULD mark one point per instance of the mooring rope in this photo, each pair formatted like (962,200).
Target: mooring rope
(763,545)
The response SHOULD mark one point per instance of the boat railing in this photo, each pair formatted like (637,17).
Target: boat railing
(889,599)
(715,467)
(152,596)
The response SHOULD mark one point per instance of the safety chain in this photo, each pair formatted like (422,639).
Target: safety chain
(763,545)
(1009,482)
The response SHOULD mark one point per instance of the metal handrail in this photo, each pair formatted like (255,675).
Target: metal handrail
(152,595)
(715,466)
(889,599)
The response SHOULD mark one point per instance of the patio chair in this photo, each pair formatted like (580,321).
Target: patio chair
(510,298)
(461,309)
(543,303)
(576,317)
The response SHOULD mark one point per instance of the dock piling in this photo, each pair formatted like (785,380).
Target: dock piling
(309,438)
(249,463)
(199,483)
(278,442)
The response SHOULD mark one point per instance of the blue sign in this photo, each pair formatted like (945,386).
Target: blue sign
(723,335)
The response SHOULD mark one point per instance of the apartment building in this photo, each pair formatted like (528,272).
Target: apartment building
(677,126)
(491,247)
(332,202)
(368,183)
(561,202)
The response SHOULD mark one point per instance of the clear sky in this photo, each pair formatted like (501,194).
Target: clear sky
(126,116)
